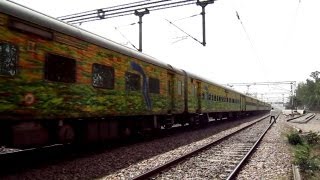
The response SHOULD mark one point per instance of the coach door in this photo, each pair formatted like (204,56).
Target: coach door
(170,91)
(198,95)
(242,103)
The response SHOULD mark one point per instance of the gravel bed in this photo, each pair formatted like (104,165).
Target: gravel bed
(272,159)
(147,164)
(217,162)
(128,161)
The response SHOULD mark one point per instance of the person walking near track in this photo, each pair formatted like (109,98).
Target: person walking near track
(273,115)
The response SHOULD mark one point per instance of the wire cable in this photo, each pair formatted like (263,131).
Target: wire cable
(123,10)
(184,31)
(128,41)
(251,43)
(188,17)
(293,25)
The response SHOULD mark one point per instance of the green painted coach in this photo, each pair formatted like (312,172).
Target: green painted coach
(62,84)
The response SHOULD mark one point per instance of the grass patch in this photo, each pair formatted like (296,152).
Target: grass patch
(306,153)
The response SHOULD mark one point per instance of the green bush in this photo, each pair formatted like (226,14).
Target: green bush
(312,138)
(294,138)
(303,158)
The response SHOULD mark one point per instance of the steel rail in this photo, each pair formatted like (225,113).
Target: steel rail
(307,119)
(177,160)
(249,153)
(290,119)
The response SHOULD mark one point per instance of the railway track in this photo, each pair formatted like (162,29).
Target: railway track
(220,159)
(16,160)
(304,118)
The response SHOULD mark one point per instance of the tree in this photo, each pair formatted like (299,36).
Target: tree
(308,94)
(315,76)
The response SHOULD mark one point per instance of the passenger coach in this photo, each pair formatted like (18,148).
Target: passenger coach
(62,84)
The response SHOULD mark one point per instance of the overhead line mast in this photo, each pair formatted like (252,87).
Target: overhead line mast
(139,9)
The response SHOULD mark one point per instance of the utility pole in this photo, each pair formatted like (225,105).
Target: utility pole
(203,5)
(140,14)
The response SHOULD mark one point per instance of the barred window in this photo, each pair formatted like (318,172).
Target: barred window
(60,69)
(154,85)
(132,82)
(102,76)
(8,59)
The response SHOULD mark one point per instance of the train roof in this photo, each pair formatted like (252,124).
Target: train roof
(38,18)
(211,82)
(27,14)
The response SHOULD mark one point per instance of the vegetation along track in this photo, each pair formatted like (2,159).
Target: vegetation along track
(220,159)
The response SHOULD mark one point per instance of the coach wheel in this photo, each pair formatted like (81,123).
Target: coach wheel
(193,121)
(66,134)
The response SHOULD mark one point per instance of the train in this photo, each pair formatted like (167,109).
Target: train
(63,84)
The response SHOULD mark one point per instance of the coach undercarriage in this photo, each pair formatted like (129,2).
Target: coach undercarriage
(38,133)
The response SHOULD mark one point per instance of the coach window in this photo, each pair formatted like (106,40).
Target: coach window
(154,85)
(132,82)
(8,59)
(60,69)
(102,76)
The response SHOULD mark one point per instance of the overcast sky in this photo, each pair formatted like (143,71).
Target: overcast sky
(279,42)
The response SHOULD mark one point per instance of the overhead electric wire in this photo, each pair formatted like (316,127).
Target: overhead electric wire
(184,31)
(90,20)
(187,17)
(247,35)
(123,10)
(62,17)
(128,41)
(119,14)
(108,9)
(186,4)
(258,58)
(181,38)
(291,29)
